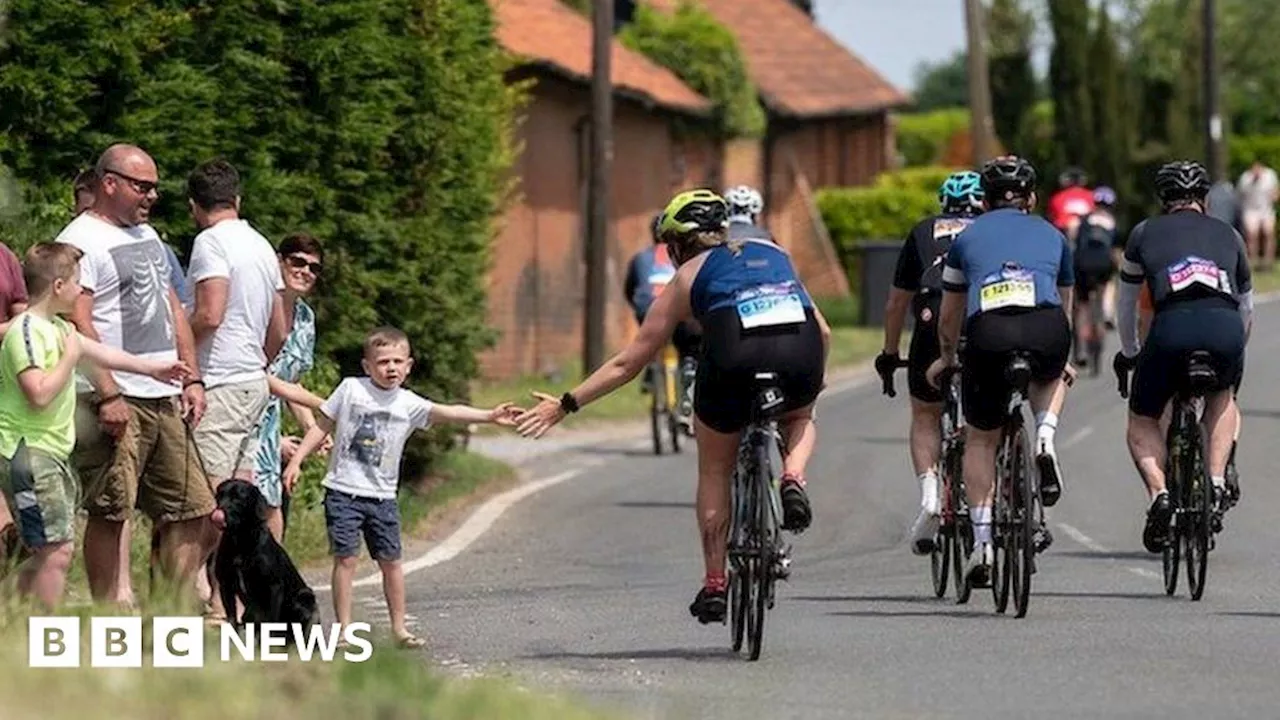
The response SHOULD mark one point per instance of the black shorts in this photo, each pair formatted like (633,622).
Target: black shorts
(1042,333)
(924,351)
(731,356)
(1090,281)
(1207,325)
(687,340)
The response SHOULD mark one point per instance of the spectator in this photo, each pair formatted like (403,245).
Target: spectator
(37,415)
(13,301)
(1224,204)
(238,324)
(1259,191)
(301,259)
(133,442)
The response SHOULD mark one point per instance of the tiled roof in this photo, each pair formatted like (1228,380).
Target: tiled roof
(799,69)
(548,33)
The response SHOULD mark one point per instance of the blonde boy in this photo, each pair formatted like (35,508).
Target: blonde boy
(38,357)
(373,417)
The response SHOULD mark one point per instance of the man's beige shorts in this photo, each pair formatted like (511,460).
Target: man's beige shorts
(227,435)
(1258,222)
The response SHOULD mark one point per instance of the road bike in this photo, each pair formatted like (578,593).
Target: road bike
(666,388)
(954,541)
(757,557)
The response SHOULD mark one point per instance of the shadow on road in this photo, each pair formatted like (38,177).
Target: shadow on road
(1250,613)
(912,599)
(1155,594)
(1139,555)
(721,654)
(902,440)
(976,614)
(620,451)
(656,504)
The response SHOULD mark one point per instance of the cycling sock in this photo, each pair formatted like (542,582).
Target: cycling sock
(981,518)
(792,477)
(1219,481)
(715,581)
(929,490)
(1046,426)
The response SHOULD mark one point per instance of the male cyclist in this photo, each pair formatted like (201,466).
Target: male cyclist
(917,283)
(1197,269)
(756,316)
(1072,201)
(745,206)
(648,273)
(1008,281)
(1094,249)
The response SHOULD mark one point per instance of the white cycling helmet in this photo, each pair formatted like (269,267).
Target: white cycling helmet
(744,198)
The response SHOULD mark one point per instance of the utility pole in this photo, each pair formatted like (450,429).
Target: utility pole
(1214,156)
(598,192)
(981,126)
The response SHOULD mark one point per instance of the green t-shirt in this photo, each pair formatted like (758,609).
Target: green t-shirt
(33,341)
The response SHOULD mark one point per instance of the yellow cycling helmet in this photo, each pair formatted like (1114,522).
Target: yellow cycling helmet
(694,211)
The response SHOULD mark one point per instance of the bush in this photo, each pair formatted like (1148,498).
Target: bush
(923,179)
(855,216)
(1242,149)
(705,55)
(380,126)
(923,138)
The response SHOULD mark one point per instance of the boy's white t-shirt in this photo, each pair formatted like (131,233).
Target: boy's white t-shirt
(127,270)
(371,428)
(234,351)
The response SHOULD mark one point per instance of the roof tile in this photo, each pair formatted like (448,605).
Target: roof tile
(799,69)
(547,31)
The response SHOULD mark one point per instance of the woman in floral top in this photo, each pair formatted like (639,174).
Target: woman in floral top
(301,259)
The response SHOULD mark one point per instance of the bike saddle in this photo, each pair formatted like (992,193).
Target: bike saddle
(1018,372)
(769,397)
(1200,373)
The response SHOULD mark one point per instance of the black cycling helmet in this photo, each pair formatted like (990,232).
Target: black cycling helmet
(1008,177)
(1182,180)
(1072,177)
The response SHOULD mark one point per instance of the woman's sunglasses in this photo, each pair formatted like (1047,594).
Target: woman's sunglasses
(299,262)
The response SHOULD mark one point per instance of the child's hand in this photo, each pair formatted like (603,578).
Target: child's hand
(505,414)
(291,474)
(166,371)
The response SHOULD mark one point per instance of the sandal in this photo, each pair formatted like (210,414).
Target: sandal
(410,642)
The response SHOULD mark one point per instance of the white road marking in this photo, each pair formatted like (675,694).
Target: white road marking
(1145,572)
(1081,538)
(475,526)
(1078,435)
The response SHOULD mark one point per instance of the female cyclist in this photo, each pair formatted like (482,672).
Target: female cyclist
(756,315)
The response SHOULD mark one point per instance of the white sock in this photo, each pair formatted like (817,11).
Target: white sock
(1219,481)
(929,490)
(1046,426)
(981,519)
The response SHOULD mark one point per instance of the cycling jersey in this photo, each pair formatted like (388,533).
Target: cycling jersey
(758,280)
(1008,259)
(748,231)
(649,272)
(922,256)
(1068,203)
(1185,256)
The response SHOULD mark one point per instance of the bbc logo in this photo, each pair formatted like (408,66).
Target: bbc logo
(179,642)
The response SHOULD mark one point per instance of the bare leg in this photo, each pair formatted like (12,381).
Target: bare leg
(926,436)
(344,571)
(44,574)
(102,558)
(801,437)
(1219,420)
(1146,447)
(184,547)
(275,523)
(717,455)
(393,589)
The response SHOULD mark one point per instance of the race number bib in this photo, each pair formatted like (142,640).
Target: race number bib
(770,306)
(1009,288)
(1197,271)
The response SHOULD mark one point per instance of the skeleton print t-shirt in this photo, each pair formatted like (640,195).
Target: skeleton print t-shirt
(128,271)
(372,425)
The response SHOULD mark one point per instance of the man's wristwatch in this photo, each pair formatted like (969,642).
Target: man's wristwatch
(568,403)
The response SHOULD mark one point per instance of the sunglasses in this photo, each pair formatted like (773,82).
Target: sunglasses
(142,187)
(299,262)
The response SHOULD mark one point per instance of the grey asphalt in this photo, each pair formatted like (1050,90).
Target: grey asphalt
(584,587)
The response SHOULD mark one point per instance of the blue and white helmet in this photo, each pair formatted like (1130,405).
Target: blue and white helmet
(744,200)
(962,193)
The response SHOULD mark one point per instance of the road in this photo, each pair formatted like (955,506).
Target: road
(583,588)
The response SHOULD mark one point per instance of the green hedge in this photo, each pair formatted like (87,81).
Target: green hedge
(381,126)
(923,179)
(923,137)
(1242,149)
(705,55)
(855,216)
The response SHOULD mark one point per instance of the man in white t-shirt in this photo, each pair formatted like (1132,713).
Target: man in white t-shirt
(237,319)
(133,447)
(1259,191)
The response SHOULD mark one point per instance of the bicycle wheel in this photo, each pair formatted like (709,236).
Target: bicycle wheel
(1171,556)
(766,534)
(740,571)
(656,411)
(940,558)
(1023,518)
(671,387)
(1199,511)
(1000,524)
(961,539)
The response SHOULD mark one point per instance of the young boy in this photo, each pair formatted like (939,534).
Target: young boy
(374,416)
(37,415)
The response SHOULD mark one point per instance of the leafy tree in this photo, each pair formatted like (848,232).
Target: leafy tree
(1010,27)
(1068,78)
(942,84)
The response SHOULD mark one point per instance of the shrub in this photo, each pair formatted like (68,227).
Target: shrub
(855,216)
(923,138)
(1242,149)
(923,179)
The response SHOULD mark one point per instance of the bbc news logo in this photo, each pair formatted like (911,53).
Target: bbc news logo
(179,642)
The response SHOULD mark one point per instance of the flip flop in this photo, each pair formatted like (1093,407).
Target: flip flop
(410,642)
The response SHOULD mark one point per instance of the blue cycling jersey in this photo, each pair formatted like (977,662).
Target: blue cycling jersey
(649,272)
(758,280)
(1007,259)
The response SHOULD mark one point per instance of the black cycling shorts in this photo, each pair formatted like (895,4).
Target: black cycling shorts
(1088,282)
(992,337)
(732,356)
(1208,325)
(924,351)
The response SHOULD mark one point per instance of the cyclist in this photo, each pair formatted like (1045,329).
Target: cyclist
(756,315)
(1072,201)
(745,206)
(649,271)
(1094,249)
(1202,293)
(1008,280)
(917,283)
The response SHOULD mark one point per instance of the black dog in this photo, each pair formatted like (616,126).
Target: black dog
(253,568)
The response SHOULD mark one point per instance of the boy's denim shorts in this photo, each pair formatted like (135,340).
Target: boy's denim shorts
(348,516)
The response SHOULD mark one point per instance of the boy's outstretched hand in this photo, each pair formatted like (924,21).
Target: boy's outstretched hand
(166,371)
(505,414)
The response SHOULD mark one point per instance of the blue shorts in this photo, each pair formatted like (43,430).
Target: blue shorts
(348,517)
